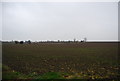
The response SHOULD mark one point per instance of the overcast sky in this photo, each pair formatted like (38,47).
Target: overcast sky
(59,20)
(0,21)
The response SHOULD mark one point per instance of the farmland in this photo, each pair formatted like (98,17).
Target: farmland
(60,61)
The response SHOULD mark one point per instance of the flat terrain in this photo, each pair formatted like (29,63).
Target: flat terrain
(60,60)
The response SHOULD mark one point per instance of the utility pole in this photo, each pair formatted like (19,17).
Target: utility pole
(74,39)
(85,39)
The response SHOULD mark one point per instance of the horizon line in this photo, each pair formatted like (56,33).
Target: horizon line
(65,40)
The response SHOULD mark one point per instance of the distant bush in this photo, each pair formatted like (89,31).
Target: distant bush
(21,42)
(16,42)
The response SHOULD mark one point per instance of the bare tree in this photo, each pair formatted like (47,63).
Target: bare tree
(29,42)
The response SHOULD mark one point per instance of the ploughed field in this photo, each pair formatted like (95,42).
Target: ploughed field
(60,61)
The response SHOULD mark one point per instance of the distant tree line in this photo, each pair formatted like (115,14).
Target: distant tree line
(21,42)
(48,41)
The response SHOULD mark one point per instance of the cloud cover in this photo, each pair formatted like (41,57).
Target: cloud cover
(60,20)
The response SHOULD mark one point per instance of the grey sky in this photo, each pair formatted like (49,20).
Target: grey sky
(0,21)
(60,21)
